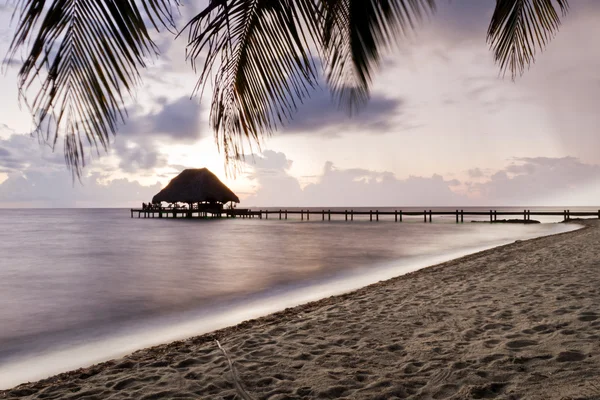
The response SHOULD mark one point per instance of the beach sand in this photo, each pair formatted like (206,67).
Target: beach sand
(518,321)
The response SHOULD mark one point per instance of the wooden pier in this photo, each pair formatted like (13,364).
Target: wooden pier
(349,215)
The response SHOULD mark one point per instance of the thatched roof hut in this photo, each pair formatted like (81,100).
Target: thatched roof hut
(196,186)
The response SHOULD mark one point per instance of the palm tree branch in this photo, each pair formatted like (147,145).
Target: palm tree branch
(82,58)
(354,33)
(521,28)
(265,68)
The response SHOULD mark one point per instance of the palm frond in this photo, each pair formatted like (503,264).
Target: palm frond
(520,28)
(261,49)
(83,57)
(355,32)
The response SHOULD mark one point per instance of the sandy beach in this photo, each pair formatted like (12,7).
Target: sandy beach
(520,321)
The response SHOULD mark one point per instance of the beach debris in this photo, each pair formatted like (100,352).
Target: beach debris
(236,379)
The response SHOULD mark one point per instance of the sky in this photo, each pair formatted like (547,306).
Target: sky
(442,128)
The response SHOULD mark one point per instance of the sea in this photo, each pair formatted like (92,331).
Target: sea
(81,286)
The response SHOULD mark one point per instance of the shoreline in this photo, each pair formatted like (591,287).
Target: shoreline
(200,353)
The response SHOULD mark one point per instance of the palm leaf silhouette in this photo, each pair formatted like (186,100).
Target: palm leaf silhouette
(84,57)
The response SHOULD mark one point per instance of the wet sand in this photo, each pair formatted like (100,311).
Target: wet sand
(518,321)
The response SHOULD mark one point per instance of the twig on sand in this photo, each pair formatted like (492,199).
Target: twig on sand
(236,380)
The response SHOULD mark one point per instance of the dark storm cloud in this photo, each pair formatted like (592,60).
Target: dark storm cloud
(139,142)
(320,115)
(177,121)
(24,151)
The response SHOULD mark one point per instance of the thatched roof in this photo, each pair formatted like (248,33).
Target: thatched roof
(194,186)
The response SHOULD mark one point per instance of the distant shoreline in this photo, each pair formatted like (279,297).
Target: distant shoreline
(490,306)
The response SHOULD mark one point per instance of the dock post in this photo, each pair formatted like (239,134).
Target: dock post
(429,215)
(568,215)
(280,213)
(132,212)
(491,216)
(329,215)
(524,215)
(377,215)
(598,214)
(370,215)
(266,214)
(301,215)
(285,214)
(351,215)
(495,215)
(462,214)
(395,215)
(322,215)
(400,215)
(308,215)
(346,214)
(457,216)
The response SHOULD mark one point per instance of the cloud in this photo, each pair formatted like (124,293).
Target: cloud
(19,152)
(475,173)
(56,189)
(37,177)
(140,142)
(177,121)
(541,181)
(320,115)
(345,187)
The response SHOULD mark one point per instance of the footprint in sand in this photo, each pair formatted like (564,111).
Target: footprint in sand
(570,356)
(518,344)
(588,316)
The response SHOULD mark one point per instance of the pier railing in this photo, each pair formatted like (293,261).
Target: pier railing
(349,214)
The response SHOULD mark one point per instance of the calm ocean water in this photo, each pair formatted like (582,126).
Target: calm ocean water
(78,286)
